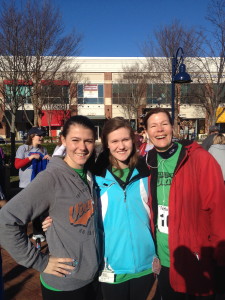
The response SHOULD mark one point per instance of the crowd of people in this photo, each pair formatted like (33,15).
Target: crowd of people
(148,211)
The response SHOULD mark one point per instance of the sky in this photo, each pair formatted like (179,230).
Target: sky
(118,28)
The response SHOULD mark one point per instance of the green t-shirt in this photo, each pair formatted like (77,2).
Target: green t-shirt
(119,278)
(82,173)
(166,169)
(123,172)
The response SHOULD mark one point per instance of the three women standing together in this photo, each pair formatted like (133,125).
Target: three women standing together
(168,192)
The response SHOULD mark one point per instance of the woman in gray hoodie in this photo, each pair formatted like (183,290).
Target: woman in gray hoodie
(65,189)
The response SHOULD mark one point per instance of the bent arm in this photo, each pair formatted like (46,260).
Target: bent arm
(24,207)
(20,163)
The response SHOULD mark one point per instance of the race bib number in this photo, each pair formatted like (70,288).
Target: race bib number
(163,218)
(107,276)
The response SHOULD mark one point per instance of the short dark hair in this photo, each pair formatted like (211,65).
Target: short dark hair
(157,110)
(87,123)
(80,120)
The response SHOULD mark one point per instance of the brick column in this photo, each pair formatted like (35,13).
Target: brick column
(108,94)
(73,99)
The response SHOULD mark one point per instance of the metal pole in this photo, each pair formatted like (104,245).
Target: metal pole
(175,64)
(174,61)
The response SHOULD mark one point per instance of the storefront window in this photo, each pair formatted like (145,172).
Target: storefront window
(18,93)
(192,93)
(90,94)
(55,94)
(124,93)
(158,93)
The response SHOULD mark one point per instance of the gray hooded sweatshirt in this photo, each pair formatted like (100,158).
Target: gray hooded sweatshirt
(218,151)
(72,206)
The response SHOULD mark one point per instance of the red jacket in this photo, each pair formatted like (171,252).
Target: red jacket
(196,219)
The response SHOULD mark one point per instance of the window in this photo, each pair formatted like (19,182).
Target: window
(55,94)
(158,93)
(90,94)
(124,93)
(18,93)
(192,93)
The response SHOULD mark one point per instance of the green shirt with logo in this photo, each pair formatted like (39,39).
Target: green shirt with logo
(166,169)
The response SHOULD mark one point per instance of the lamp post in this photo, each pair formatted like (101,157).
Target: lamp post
(181,77)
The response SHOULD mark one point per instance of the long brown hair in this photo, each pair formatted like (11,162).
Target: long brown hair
(112,125)
(29,142)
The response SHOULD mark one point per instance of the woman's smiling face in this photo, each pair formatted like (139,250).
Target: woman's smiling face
(160,131)
(120,145)
(79,143)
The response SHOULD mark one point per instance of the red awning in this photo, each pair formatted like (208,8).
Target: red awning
(43,82)
(55,117)
(19,82)
(55,82)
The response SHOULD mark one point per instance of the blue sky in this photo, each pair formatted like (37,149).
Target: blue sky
(117,28)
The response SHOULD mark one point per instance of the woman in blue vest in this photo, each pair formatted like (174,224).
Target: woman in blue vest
(122,179)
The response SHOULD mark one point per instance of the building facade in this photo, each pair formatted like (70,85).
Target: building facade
(105,88)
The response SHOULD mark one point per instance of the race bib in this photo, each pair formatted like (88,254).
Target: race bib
(163,218)
(107,276)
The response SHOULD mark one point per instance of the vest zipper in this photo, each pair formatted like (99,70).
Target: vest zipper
(125,195)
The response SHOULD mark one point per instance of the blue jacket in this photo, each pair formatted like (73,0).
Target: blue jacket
(38,165)
(128,243)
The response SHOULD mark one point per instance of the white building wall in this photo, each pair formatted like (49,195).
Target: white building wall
(91,110)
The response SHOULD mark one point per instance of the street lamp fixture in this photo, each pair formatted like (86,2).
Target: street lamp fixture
(181,77)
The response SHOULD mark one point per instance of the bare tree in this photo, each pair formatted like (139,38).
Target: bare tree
(132,89)
(167,40)
(33,48)
(166,43)
(48,50)
(11,65)
(210,69)
(58,96)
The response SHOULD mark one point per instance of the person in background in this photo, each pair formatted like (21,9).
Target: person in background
(66,190)
(1,278)
(218,151)
(145,147)
(138,137)
(2,170)
(187,216)
(2,203)
(2,198)
(60,149)
(31,158)
(209,140)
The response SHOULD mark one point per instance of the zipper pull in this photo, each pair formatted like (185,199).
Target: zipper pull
(124,196)
(197,255)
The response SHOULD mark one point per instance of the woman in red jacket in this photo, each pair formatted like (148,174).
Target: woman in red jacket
(188,209)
